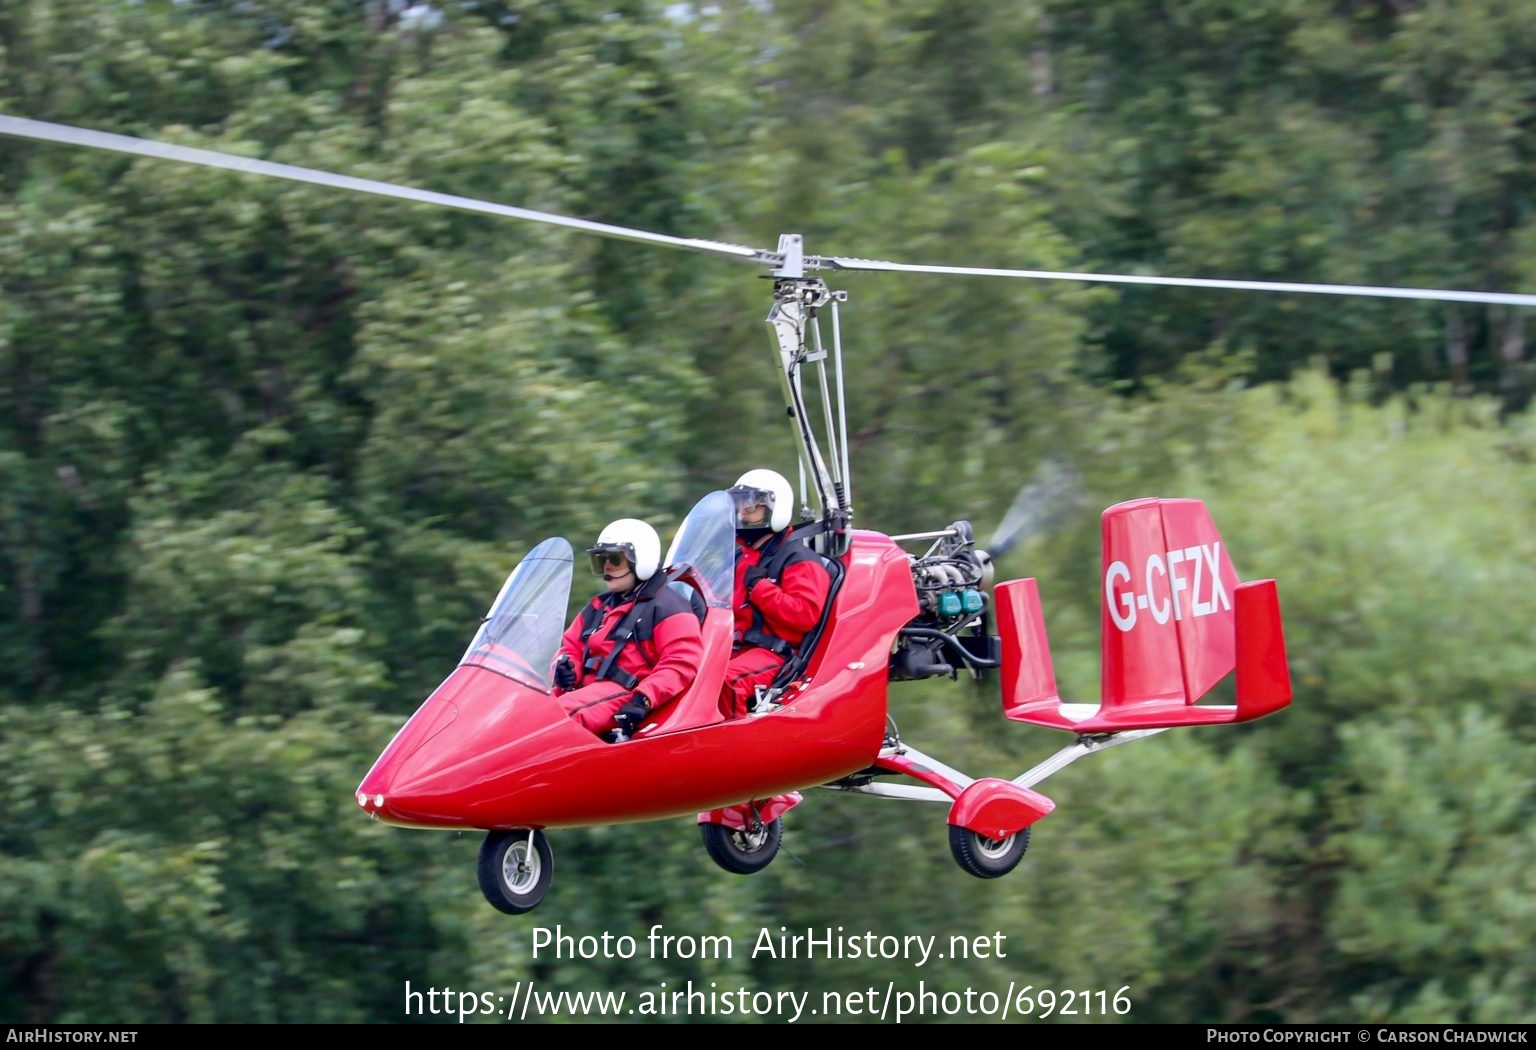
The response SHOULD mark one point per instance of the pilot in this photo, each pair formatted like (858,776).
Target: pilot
(781,588)
(636,645)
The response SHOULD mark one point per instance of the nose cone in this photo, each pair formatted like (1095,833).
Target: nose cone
(395,775)
(478,744)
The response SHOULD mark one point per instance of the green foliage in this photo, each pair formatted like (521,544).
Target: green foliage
(1310,142)
(1437,885)
(163,865)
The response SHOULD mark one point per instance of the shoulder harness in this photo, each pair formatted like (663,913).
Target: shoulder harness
(639,623)
(789,552)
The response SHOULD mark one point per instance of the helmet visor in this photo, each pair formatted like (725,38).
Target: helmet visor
(606,556)
(753,508)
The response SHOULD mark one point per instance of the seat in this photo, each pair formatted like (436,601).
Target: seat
(695,599)
(698,705)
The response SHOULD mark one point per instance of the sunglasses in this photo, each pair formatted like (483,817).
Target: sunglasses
(602,560)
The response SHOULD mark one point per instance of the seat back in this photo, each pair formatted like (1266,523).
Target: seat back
(799,664)
(699,705)
(695,599)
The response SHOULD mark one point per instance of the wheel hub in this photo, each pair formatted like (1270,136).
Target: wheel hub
(751,841)
(520,867)
(993,848)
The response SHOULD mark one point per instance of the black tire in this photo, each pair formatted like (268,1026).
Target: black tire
(515,869)
(742,852)
(987,858)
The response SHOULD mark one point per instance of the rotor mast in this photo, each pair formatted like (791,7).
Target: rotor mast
(798,302)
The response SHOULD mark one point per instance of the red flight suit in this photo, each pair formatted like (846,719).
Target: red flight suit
(663,655)
(785,609)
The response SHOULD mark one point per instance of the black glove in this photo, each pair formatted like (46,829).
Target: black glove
(633,713)
(565,672)
(752,575)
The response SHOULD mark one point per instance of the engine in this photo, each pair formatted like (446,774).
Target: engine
(953,627)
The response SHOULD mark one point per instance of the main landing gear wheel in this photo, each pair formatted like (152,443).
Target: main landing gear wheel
(743,852)
(987,858)
(515,869)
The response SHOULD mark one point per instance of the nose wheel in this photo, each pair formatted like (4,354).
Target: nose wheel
(515,869)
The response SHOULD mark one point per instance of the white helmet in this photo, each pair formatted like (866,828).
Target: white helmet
(763,488)
(632,538)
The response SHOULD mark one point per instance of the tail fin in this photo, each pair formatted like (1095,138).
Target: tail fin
(1166,628)
(1175,622)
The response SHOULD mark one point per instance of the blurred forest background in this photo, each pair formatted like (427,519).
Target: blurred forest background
(268,450)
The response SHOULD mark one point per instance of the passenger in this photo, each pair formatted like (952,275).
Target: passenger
(781,588)
(636,646)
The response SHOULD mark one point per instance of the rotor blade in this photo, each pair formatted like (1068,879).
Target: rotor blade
(23,127)
(1445,295)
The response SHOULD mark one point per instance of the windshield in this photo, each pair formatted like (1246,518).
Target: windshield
(707,540)
(522,630)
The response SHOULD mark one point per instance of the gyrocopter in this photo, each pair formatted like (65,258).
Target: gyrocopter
(492,750)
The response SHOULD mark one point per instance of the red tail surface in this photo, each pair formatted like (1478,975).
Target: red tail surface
(1175,621)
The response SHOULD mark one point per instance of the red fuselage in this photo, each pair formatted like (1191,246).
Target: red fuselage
(485,751)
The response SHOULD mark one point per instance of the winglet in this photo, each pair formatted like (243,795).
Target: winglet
(1028,675)
(1263,675)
